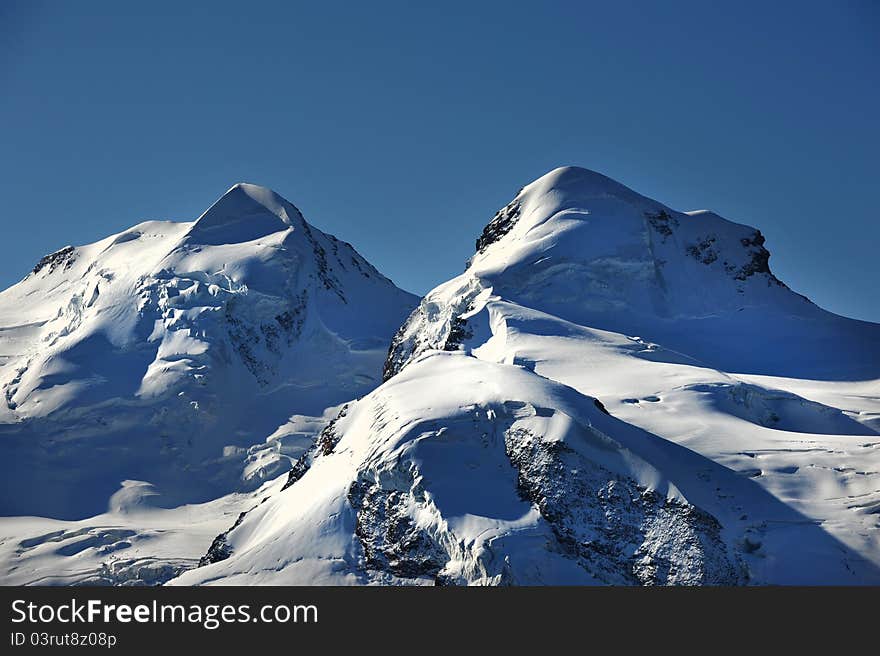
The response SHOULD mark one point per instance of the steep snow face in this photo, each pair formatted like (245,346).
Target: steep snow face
(458,471)
(620,252)
(502,478)
(579,246)
(164,353)
(613,392)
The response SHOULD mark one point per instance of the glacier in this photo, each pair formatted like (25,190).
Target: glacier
(613,392)
(169,352)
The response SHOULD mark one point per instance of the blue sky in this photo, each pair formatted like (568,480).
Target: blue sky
(403,127)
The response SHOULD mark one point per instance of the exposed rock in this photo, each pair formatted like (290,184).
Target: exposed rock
(324,445)
(616,529)
(500,225)
(391,540)
(760,258)
(220,549)
(63,259)
(703,251)
(430,327)
(662,222)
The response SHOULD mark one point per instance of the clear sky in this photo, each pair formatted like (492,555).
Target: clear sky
(403,126)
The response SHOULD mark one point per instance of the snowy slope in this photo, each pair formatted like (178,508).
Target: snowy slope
(612,392)
(130,545)
(169,352)
(577,245)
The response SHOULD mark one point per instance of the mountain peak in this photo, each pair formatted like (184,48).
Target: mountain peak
(565,176)
(577,183)
(580,246)
(202,334)
(244,213)
(256,193)
(565,194)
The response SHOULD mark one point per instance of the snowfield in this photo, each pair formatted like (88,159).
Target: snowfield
(168,351)
(197,358)
(613,392)
(129,545)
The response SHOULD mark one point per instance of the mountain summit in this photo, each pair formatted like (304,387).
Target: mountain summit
(244,213)
(165,352)
(613,392)
(582,247)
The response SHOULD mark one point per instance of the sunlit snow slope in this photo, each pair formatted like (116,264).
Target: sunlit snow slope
(169,352)
(612,392)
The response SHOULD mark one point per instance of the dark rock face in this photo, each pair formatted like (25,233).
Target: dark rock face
(300,467)
(704,250)
(447,333)
(392,543)
(291,320)
(329,438)
(220,549)
(601,406)
(398,353)
(247,336)
(662,222)
(63,259)
(760,258)
(324,445)
(328,280)
(458,333)
(404,348)
(500,225)
(618,531)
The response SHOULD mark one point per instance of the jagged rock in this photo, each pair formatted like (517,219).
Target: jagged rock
(220,549)
(500,225)
(62,259)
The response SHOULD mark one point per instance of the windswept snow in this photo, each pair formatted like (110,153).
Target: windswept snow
(612,392)
(168,353)
(420,487)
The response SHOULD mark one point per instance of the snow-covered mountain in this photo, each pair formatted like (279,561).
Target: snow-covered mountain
(612,392)
(168,353)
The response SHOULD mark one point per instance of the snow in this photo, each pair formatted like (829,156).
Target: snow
(145,355)
(434,435)
(131,544)
(728,394)
(613,392)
